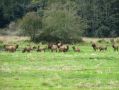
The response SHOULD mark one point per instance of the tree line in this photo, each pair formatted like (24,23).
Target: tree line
(62,19)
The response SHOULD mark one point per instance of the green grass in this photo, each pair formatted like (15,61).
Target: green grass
(87,70)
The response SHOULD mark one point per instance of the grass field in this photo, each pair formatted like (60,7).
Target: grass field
(87,70)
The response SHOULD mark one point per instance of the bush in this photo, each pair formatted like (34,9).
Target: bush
(61,22)
(31,24)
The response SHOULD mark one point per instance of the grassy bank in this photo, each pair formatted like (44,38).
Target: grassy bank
(87,70)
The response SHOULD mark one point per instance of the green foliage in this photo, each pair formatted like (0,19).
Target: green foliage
(101,15)
(61,21)
(102,31)
(31,24)
(11,10)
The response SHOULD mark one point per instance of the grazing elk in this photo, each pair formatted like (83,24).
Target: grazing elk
(54,48)
(95,47)
(76,49)
(59,44)
(50,45)
(27,49)
(41,49)
(115,47)
(63,48)
(11,48)
(103,48)
(99,47)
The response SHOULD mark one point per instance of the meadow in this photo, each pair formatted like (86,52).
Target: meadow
(87,70)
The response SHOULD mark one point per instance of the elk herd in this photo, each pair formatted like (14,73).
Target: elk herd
(56,47)
(104,48)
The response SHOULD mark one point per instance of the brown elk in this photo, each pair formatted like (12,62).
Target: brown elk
(115,47)
(27,49)
(41,49)
(11,48)
(54,48)
(99,47)
(50,45)
(59,44)
(95,47)
(76,49)
(63,48)
(103,48)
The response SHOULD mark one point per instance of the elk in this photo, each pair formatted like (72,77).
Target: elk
(50,45)
(76,49)
(99,47)
(11,48)
(54,48)
(115,47)
(95,47)
(59,44)
(40,49)
(103,48)
(63,48)
(27,49)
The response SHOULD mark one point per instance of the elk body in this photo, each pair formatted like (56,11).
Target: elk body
(95,47)
(59,44)
(41,49)
(11,48)
(76,49)
(63,48)
(99,47)
(103,48)
(54,48)
(27,49)
(115,47)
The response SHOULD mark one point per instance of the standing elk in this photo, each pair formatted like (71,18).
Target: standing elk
(76,49)
(11,48)
(27,49)
(54,48)
(41,49)
(50,45)
(63,48)
(99,47)
(95,47)
(115,47)
(59,44)
(103,48)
